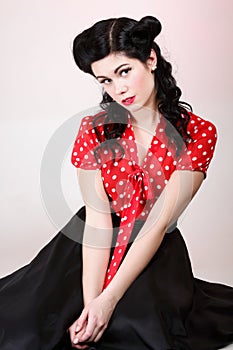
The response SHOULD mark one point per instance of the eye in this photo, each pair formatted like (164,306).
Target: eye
(123,73)
(105,81)
(125,70)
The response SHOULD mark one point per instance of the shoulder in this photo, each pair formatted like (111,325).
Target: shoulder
(199,127)
(92,126)
(200,149)
(90,135)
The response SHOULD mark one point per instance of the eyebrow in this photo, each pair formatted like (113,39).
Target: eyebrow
(115,71)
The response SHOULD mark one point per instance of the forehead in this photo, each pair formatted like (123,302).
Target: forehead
(108,64)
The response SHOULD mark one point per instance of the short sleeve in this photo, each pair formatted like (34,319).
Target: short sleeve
(85,144)
(199,152)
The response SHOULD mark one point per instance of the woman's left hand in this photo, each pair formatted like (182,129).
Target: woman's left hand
(94,319)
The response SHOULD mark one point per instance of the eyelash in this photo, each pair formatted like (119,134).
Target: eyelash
(123,70)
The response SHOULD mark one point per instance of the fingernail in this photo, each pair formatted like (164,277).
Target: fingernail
(77,328)
(75,341)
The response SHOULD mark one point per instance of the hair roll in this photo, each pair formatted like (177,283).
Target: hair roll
(136,40)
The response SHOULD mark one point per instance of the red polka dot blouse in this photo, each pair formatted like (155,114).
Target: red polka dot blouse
(133,188)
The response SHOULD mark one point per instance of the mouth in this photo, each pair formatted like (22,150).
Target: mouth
(128,101)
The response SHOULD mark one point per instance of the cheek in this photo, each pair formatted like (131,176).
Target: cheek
(109,91)
(137,81)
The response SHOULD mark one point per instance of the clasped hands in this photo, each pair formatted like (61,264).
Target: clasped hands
(93,321)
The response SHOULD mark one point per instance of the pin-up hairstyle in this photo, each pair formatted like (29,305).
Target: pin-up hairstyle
(135,39)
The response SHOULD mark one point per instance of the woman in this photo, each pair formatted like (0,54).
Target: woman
(124,280)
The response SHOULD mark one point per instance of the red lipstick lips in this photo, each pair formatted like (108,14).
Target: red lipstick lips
(128,101)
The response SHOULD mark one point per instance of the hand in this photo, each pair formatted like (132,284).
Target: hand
(72,331)
(93,321)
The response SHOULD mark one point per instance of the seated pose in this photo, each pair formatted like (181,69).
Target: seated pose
(118,275)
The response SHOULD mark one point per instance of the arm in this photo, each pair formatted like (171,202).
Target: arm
(97,233)
(97,238)
(175,197)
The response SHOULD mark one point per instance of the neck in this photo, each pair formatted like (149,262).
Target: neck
(146,118)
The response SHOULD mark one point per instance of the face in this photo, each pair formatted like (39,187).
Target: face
(127,80)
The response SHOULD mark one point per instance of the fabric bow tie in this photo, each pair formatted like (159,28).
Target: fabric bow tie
(140,182)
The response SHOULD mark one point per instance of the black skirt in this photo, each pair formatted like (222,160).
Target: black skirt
(165,307)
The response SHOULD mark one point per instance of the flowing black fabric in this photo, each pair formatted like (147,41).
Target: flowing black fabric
(165,307)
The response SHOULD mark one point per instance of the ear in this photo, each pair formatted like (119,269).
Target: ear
(152,60)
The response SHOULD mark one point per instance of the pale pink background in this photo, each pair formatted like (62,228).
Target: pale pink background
(41,88)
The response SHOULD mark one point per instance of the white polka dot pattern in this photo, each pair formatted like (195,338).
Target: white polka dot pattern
(85,142)
(198,154)
(134,188)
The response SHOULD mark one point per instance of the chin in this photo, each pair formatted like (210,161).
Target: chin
(135,108)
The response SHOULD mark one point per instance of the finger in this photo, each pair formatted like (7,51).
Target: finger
(80,347)
(99,334)
(80,326)
(71,330)
(91,325)
(81,320)
(79,334)
(95,334)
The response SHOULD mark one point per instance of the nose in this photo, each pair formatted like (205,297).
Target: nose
(120,88)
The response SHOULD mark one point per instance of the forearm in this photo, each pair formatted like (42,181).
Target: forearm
(142,249)
(139,255)
(97,236)
(95,255)
(171,203)
(95,262)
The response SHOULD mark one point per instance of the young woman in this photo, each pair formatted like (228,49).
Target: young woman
(118,275)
